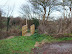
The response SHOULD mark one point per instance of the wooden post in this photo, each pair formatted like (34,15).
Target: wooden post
(24,30)
(26,21)
(32,29)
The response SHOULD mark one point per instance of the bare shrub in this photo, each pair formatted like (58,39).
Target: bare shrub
(3,34)
(15,31)
(59,26)
(47,28)
(15,21)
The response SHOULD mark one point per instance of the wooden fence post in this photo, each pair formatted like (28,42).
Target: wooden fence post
(32,29)
(24,30)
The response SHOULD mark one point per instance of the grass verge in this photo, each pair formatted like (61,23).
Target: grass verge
(23,44)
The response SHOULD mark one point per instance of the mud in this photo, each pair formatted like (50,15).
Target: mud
(55,48)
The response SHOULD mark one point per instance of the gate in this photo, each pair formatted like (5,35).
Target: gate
(32,29)
(24,30)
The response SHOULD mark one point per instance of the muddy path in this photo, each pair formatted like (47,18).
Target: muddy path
(55,48)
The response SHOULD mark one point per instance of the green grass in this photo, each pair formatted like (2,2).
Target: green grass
(19,44)
(22,44)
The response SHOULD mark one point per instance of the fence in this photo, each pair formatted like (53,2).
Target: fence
(24,30)
(32,29)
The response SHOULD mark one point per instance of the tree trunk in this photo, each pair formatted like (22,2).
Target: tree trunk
(64,12)
(44,14)
(43,22)
(64,9)
(71,12)
(48,13)
(8,19)
(26,21)
(71,15)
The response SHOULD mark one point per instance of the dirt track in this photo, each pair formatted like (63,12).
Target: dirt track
(55,48)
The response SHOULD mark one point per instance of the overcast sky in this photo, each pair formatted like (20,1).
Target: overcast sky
(15,5)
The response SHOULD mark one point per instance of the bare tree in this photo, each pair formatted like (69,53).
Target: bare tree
(0,13)
(9,13)
(71,7)
(41,5)
(1,19)
(25,11)
(65,3)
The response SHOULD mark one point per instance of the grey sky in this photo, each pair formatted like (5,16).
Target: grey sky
(15,5)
